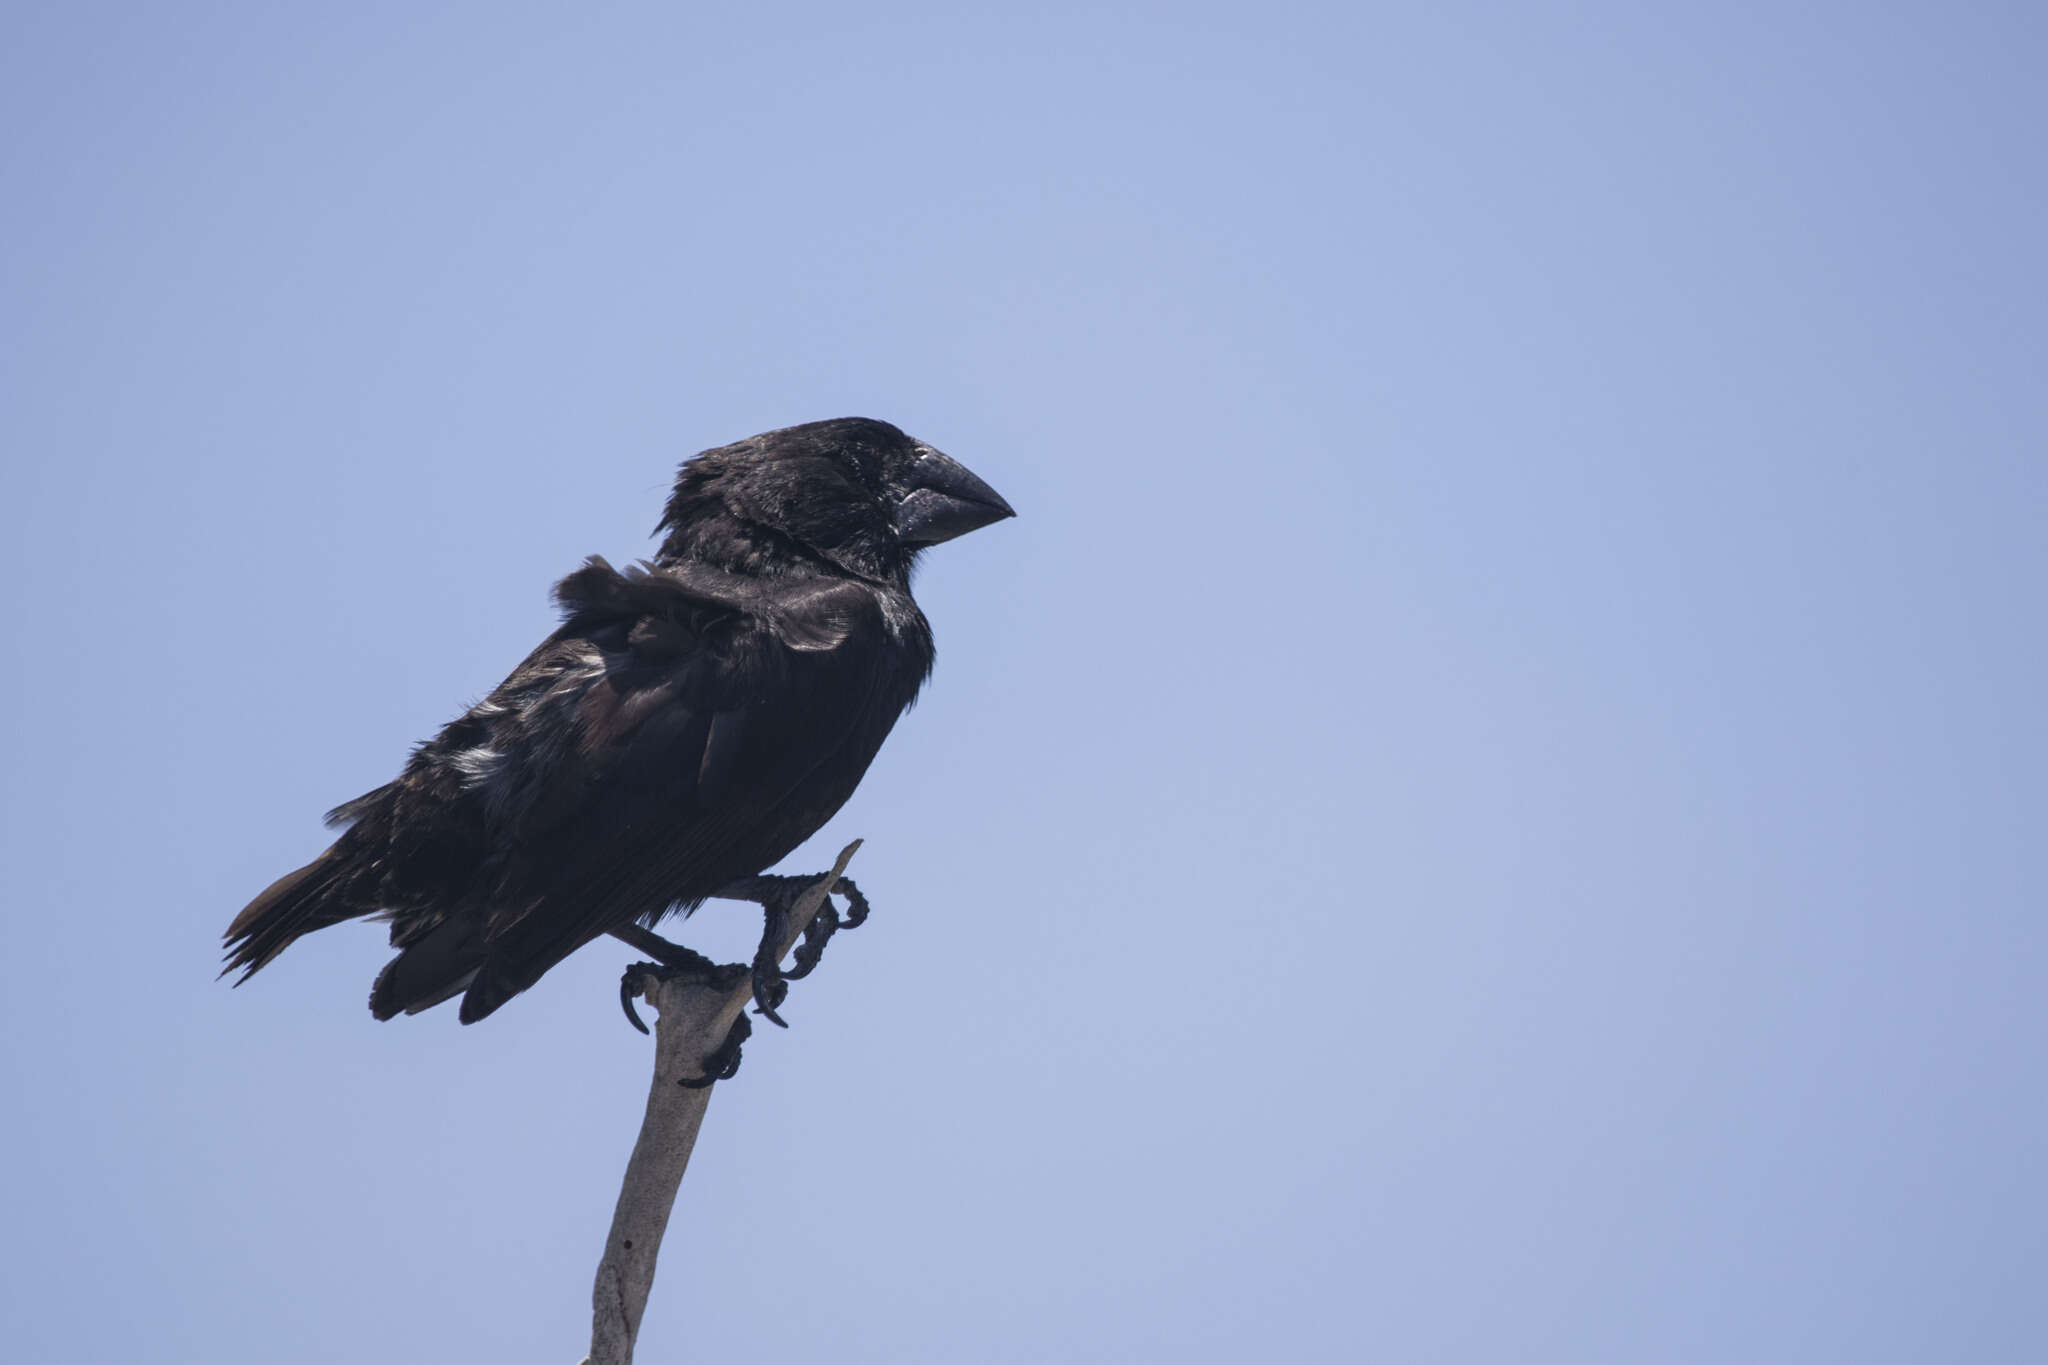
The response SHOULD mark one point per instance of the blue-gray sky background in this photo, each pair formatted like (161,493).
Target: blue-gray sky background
(1489,808)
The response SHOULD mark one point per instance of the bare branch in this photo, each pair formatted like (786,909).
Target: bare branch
(696,1016)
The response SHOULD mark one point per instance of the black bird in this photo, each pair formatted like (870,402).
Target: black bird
(693,720)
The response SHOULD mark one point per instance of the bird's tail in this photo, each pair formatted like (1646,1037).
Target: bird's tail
(296,903)
(435,964)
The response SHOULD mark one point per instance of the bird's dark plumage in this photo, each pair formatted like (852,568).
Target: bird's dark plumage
(691,722)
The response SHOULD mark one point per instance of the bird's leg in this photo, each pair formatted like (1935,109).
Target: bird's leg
(661,950)
(777,897)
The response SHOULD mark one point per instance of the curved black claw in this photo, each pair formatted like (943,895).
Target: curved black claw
(723,1064)
(631,985)
(856,903)
(771,988)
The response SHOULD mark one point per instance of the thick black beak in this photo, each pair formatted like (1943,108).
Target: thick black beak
(945,500)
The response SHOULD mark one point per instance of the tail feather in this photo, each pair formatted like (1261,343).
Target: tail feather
(433,967)
(517,960)
(296,903)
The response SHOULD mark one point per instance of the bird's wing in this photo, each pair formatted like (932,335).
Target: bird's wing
(647,746)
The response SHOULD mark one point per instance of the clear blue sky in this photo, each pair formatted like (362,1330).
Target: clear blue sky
(1489,808)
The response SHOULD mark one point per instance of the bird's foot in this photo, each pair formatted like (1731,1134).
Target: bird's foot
(777,897)
(671,960)
(687,965)
(856,903)
(662,951)
(723,1064)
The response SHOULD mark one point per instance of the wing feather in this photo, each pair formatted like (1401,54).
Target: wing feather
(677,760)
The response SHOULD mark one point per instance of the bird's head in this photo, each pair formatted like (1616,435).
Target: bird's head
(855,491)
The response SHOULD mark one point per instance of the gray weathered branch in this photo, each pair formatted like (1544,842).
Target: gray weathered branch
(695,1017)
